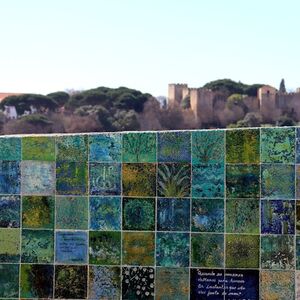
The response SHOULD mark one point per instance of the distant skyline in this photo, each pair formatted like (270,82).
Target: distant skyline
(54,45)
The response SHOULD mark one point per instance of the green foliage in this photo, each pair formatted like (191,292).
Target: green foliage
(61,98)
(251,119)
(236,99)
(173,180)
(282,88)
(120,98)
(285,121)
(229,87)
(36,119)
(23,103)
(186,102)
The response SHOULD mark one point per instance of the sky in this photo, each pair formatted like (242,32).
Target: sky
(53,45)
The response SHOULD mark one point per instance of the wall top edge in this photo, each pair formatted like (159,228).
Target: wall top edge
(142,131)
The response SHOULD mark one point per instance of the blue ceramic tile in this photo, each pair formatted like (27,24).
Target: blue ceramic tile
(105,148)
(71,247)
(10,177)
(173,214)
(105,213)
(105,179)
(174,147)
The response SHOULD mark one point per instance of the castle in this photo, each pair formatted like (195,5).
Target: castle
(209,107)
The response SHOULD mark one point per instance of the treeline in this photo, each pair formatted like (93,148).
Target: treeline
(229,87)
(99,109)
(122,109)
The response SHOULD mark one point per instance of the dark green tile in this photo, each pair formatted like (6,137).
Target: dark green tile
(242,181)
(38,212)
(174,180)
(37,246)
(139,214)
(207,250)
(242,251)
(105,247)
(242,146)
(242,216)
(9,281)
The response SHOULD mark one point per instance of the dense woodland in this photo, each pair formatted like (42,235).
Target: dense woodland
(120,109)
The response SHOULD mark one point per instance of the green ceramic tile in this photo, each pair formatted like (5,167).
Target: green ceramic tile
(37,246)
(138,248)
(278,145)
(174,180)
(277,252)
(242,251)
(242,181)
(71,178)
(38,212)
(139,147)
(139,214)
(242,146)
(207,250)
(278,181)
(139,179)
(72,148)
(9,281)
(105,247)
(9,245)
(38,148)
(36,281)
(242,216)
(10,148)
(208,147)
(72,213)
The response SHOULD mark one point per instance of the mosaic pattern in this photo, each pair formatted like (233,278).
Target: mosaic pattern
(212,214)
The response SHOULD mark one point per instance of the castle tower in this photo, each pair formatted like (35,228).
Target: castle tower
(267,102)
(202,104)
(177,92)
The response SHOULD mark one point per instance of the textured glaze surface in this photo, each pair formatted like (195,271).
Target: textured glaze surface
(212,214)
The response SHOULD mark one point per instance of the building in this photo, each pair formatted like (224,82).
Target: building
(9,111)
(209,107)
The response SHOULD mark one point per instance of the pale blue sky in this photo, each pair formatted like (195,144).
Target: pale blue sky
(55,45)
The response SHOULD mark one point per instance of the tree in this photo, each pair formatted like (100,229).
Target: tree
(229,87)
(186,103)
(282,88)
(125,120)
(24,103)
(35,123)
(250,120)
(285,121)
(61,98)
(235,99)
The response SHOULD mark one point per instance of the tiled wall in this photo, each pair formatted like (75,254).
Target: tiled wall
(167,215)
